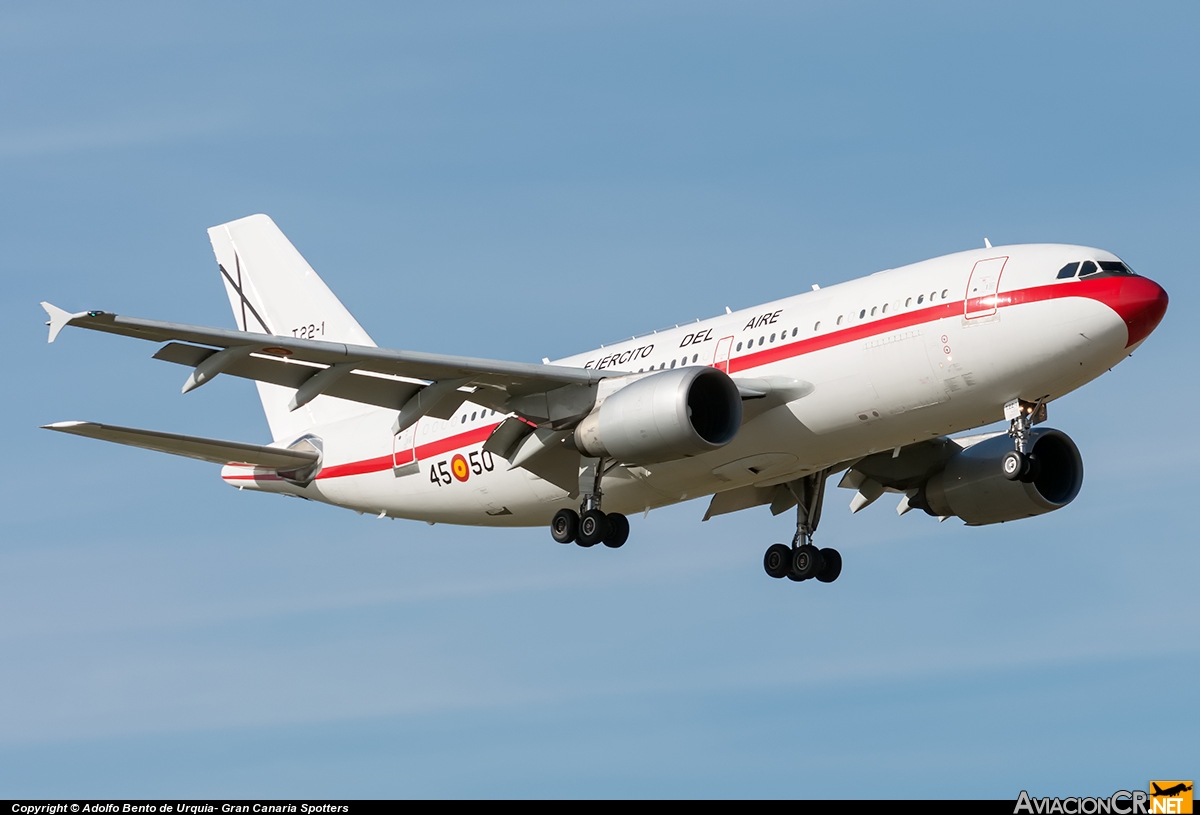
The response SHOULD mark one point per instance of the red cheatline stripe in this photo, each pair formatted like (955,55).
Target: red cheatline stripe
(1105,290)
(374,465)
(883,325)
(433,448)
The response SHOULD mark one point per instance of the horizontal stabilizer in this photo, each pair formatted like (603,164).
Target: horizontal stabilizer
(214,450)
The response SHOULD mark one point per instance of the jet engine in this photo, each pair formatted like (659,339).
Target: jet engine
(664,416)
(972,485)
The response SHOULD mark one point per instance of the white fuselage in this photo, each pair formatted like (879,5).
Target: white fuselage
(903,355)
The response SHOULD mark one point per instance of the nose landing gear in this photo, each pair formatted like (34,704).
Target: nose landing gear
(802,560)
(1020,464)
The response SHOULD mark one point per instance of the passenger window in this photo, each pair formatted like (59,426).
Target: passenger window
(908,302)
(839,319)
(1087,268)
(761,340)
(472,415)
(1068,270)
(797,330)
(672,363)
(862,314)
(772,338)
(920,299)
(695,357)
(945,293)
(873,310)
(739,346)
(817,326)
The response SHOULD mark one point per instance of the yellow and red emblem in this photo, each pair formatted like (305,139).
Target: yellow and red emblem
(458,466)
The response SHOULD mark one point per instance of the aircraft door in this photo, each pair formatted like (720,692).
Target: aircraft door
(721,357)
(982,287)
(404,450)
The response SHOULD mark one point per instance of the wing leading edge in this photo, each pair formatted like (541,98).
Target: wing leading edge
(428,384)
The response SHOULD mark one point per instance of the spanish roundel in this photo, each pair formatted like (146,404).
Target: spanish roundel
(458,466)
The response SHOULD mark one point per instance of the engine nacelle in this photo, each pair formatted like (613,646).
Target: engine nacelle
(973,487)
(664,416)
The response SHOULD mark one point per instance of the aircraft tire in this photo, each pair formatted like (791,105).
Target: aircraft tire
(1033,468)
(806,562)
(618,530)
(832,567)
(778,560)
(564,528)
(593,526)
(1013,465)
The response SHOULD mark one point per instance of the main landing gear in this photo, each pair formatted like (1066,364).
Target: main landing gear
(802,560)
(590,525)
(1020,464)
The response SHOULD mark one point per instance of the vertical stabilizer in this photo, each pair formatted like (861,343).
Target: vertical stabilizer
(273,290)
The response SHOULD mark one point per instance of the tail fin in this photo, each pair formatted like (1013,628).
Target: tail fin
(273,290)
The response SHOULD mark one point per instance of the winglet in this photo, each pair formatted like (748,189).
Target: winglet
(59,319)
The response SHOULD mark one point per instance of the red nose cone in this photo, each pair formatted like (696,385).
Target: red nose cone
(1141,303)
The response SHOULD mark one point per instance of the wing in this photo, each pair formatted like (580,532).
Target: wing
(412,382)
(214,450)
(899,471)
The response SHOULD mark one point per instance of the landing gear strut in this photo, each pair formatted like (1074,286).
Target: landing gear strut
(802,560)
(591,525)
(1020,464)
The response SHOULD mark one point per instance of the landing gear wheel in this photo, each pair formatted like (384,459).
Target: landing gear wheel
(778,560)
(618,530)
(806,562)
(1033,468)
(1013,465)
(832,567)
(593,526)
(565,526)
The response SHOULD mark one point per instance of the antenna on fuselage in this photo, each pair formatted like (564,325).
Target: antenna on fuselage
(987,244)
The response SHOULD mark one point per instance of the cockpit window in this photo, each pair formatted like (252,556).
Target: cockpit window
(1089,267)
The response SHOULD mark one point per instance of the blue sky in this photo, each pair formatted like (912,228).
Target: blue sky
(528,180)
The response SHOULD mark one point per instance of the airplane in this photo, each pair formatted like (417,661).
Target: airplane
(1170,792)
(756,407)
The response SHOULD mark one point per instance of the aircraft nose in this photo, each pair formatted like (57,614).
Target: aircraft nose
(1141,303)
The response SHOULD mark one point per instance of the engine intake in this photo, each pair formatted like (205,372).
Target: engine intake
(973,487)
(664,416)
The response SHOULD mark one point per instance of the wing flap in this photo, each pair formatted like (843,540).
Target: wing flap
(214,450)
(358,386)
